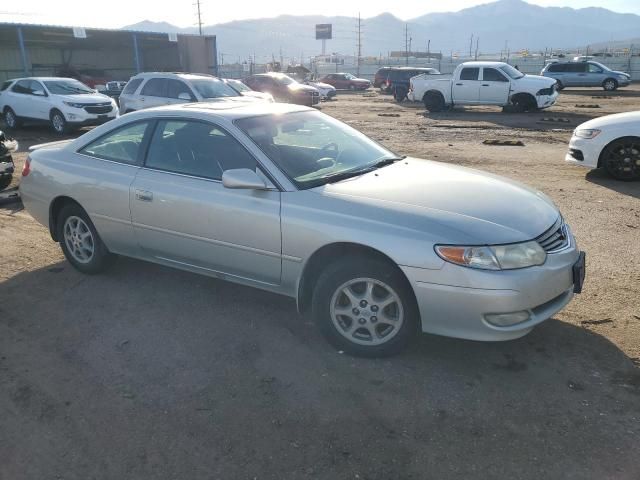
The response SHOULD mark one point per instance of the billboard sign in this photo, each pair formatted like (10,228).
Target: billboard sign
(323,31)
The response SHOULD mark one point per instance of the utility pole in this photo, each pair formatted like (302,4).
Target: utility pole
(477,42)
(199,17)
(359,45)
(429,50)
(406,44)
(471,46)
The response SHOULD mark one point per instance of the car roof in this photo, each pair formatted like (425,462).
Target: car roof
(484,64)
(183,75)
(230,110)
(42,79)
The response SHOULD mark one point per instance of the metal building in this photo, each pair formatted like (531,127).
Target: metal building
(98,54)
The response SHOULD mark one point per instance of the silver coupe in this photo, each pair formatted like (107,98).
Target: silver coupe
(376,247)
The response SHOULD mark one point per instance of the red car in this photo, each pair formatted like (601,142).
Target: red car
(346,81)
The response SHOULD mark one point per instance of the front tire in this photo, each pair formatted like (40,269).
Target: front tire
(80,242)
(365,307)
(610,85)
(5,182)
(58,122)
(621,159)
(524,103)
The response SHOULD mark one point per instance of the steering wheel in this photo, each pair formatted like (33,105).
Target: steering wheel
(331,147)
(326,162)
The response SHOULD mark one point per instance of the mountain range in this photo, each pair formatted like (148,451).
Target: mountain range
(514,24)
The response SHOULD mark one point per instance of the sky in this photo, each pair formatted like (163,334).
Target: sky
(118,13)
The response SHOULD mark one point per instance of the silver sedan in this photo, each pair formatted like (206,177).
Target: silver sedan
(374,246)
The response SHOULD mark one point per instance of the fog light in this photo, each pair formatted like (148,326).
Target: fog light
(507,319)
(71,116)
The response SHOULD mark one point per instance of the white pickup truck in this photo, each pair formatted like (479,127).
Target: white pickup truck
(484,83)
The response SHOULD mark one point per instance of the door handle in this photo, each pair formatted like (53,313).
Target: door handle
(144,195)
(486,85)
(459,84)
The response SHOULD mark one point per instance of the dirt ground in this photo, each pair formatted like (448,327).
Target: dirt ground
(146,372)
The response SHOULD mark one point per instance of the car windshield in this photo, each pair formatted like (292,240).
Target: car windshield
(238,86)
(512,72)
(313,149)
(284,79)
(67,87)
(348,76)
(213,88)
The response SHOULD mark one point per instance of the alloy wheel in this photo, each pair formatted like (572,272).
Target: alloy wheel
(78,239)
(623,161)
(58,123)
(10,119)
(366,311)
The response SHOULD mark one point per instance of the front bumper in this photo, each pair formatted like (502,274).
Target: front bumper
(80,117)
(452,304)
(546,101)
(587,149)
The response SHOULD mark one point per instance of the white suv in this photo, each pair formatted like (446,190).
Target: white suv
(154,89)
(65,103)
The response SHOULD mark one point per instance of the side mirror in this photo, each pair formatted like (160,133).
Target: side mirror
(184,96)
(39,93)
(243,178)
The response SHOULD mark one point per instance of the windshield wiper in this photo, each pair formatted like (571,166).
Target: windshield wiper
(388,161)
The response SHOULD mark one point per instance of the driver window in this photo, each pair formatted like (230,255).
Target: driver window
(594,68)
(196,148)
(492,75)
(175,88)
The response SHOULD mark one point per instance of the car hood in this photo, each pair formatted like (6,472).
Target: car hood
(239,98)
(322,85)
(86,98)
(618,72)
(254,94)
(299,87)
(619,119)
(452,203)
(360,80)
(536,81)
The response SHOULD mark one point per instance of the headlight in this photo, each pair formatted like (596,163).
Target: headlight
(587,133)
(497,257)
(74,104)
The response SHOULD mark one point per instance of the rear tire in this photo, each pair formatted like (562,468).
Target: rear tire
(560,85)
(11,120)
(610,85)
(399,94)
(80,241)
(58,122)
(365,307)
(433,101)
(5,182)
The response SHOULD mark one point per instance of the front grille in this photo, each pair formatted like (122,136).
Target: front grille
(554,239)
(99,108)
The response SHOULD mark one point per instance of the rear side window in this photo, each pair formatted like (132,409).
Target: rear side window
(155,87)
(470,73)
(557,67)
(577,67)
(132,86)
(122,145)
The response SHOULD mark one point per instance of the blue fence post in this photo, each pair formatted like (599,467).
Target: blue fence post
(23,51)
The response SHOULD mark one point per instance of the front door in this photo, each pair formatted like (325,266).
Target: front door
(153,94)
(494,88)
(183,215)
